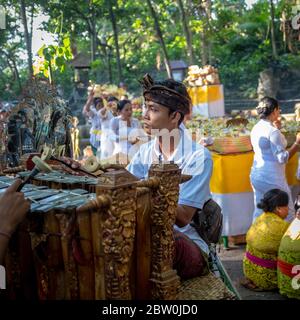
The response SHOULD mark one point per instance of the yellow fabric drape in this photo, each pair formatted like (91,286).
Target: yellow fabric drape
(231,173)
(291,170)
(205,94)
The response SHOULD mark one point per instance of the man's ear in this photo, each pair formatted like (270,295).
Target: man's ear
(175,117)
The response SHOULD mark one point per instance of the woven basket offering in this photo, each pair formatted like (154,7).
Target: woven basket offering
(207,287)
(228,145)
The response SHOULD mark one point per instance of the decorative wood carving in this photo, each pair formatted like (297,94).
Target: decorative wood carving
(99,203)
(151,183)
(68,227)
(164,201)
(118,233)
(46,246)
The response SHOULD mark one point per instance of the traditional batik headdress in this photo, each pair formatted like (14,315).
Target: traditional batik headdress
(161,94)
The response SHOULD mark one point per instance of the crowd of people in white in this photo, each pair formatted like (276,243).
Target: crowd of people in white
(113,128)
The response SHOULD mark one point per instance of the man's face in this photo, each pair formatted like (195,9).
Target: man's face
(158,117)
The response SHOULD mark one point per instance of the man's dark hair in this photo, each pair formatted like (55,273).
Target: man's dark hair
(176,86)
(169,93)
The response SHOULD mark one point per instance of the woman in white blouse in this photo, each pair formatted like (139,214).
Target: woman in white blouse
(126,131)
(270,154)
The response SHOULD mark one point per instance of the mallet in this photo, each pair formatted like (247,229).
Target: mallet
(48,154)
(40,166)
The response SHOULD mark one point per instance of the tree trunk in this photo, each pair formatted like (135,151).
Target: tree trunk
(204,51)
(17,73)
(106,51)
(12,70)
(51,78)
(10,60)
(202,10)
(208,19)
(287,32)
(31,24)
(273,40)
(91,25)
(187,32)
(206,45)
(161,40)
(115,31)
(268,84)
(109,66)
(27,37)
(93,32)
(15,70)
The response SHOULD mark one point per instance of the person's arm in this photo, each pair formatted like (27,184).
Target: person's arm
(103,113)
(195,192)
(13,208)
(184,215)
(87,107)
(109,115)
(278,149)
(138,134)
(137,167)
(295,147)
(113,125)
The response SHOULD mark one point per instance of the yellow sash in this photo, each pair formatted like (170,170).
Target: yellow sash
(95,131)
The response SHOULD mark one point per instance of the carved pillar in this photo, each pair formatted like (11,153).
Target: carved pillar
(143,244)
(118,231)
(165,200)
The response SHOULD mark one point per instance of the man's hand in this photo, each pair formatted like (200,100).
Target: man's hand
(13,208)
(134,140)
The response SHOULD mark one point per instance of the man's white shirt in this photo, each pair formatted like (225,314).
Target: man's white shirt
(193,159)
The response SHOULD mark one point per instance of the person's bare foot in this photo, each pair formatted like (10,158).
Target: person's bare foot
(248,284)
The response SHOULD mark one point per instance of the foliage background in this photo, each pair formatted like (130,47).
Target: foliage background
(120,37)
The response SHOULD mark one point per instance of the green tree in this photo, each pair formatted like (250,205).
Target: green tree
(125,39)
(27,34)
